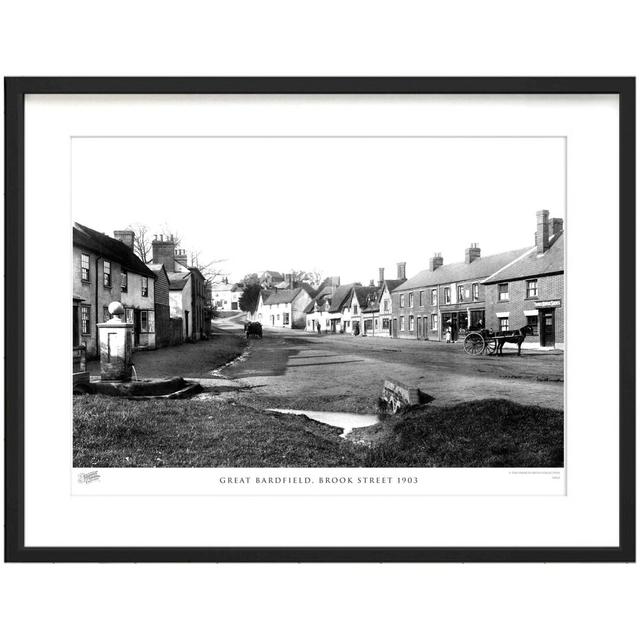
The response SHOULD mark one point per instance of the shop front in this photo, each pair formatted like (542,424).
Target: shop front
(461,322)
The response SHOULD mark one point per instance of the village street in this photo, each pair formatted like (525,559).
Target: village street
(297,370)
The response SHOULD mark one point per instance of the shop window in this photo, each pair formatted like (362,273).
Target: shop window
(84,267)
(147,321)
(532,288)
(532,322)
(503,292)
(386,323)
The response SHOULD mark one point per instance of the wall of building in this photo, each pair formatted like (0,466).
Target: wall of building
(179,302)
(97,297)
(550,289)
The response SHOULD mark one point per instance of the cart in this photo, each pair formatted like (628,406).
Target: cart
(478,342)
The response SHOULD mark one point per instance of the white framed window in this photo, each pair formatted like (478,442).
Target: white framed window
(434,321)
(503,292)
(106,274)
(504,323)
(411,323)
(402,300)
(447,295)
(84,267)
(475,291)
(460,292)
(147,321)
(532,288)
(401,323)
(434,297)
(144,291)
(411,300)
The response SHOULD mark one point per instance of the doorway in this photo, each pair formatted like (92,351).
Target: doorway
(394,328)
(547,328)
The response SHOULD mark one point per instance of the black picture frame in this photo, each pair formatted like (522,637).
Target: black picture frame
(15,91)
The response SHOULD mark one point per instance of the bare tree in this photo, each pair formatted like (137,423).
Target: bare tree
(312,278)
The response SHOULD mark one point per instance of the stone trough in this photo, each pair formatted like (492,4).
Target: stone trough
(151,389)
(397,396)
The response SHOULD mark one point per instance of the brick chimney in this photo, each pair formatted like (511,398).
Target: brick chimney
(380,276)
(472,253)
(126,237)
(402,270)
(555,226)
(542,231)
(180,255)
(163,250)
(435,262)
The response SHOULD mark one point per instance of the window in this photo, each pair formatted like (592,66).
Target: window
(532,289)
(434,321)
(285,318)
(386,323)
(401,323)
(532,322)
(447,295)
(147,322)
(504,324)
(84,319)
(355,309)
(475,291)
(145,287)
(84,267)
(402,300)
(503,292)
(106,316)
(434,297)
(411,299)
(422,299)
(106,274)
(124,281)
(386,306)
(411,321)
(460,293)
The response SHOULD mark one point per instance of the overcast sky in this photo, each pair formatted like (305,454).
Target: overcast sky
(341,206)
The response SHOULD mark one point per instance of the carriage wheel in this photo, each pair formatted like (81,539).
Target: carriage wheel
(492,346)
(474,344)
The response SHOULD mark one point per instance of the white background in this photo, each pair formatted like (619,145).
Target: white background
(365,38)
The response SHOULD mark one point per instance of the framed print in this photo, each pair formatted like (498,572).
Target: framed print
(320,319)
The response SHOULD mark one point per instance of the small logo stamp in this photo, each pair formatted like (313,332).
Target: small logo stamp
(88,477)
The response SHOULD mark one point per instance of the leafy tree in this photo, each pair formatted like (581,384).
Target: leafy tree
(250,297)
(312,278)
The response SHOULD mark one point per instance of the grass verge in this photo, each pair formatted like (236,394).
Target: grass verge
(110,432)
(486,433)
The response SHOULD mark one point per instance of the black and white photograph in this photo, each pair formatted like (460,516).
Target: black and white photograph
(318,301)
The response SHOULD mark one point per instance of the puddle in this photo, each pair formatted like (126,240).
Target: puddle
(346,421)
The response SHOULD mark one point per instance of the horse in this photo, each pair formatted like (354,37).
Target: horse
(516,337)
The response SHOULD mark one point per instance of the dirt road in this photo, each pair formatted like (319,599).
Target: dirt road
(298,370)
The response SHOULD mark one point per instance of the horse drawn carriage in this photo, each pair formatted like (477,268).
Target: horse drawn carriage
(253,329)
(492,342)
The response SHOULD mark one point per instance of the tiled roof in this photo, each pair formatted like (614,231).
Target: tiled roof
(178,279)
(281,296)
(365,294)
(479,269)
(532,264)
(340,297)
(109,248)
